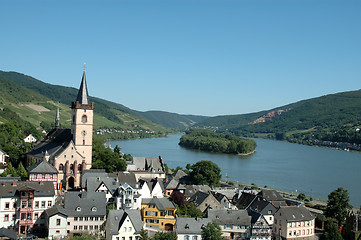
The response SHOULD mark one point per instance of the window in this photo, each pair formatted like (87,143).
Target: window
(36,216)
(170,212)
(57,231)
(151,206)
(303,232)
(86,219)
(186,237)
(14,217)
(123,238)
(96,227)
(86,227)
(75,218)
(7,205)
(117,238)
(101,218)
(130,229)
(37,204)
(94,209)
(61,166)
(24,204)
(290,233)
(6,218)
(23,216)
(80,227)
(163,213)
(130,238)
(49,203)
(58,221)
(96,219)
(43,204)
(194,237)
(91,218)
(124,229)
(80,218)
(75,227)
(68,223)
(84,119)
(90,227)
(78,209)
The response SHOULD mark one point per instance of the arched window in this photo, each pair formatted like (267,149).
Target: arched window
(79,167)
(84,119)
(61,167)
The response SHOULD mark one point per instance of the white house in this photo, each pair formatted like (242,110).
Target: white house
(56,222)
(3,157)
(30,139)
(123,225)
(190,228)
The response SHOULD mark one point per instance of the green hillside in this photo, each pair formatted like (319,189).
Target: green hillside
(333,117)
(172,120)
(36,102)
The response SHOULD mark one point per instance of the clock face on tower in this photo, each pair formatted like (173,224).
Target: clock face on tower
(83,133)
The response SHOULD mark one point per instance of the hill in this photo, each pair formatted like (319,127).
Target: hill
(36,102)
(172,120)
(334,117)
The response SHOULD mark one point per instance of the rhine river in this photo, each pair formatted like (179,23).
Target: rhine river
(296,168)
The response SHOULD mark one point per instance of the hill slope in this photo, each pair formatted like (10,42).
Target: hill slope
(172,120)
(333,117)
(36,102)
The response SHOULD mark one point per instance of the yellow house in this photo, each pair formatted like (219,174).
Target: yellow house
(159,213)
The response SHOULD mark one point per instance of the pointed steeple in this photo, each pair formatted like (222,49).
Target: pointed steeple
(82,97)
(57,118)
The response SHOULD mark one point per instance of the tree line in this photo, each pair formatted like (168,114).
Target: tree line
(207,140)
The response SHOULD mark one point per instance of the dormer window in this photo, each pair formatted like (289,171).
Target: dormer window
(78,209)
(94,209)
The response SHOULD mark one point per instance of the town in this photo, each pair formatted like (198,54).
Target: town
(64,196)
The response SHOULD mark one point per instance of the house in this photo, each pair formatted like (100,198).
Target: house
(3,157)
(158,214)
(273,197)
(123,225)
(190,190)
(70,150)
(147,167)
(204,201)
(190,228)
(260,229)
(127,197)
(150,188)
(22,204)
(30,139)
(7,234)
(245,200)
(56,222)
(235,224)
(263,207)
(44,171)
(223,200)
(86,212)
(294,222)
(176,181)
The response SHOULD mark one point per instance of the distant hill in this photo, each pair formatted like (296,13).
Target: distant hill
(334,117)
(36,102)
(172,120)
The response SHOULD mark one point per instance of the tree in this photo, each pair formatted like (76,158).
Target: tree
(205,173)
(164,236)
(332,231)
(212,232)
(21,171)
(178,198)
(189,210)
(301,196)
(338,205)
(143,235)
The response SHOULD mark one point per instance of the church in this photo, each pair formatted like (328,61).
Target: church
(69,151)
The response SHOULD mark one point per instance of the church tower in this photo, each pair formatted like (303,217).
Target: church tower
(82,124)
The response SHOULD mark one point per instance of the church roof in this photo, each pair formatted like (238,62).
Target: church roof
(82,97)
(42,167)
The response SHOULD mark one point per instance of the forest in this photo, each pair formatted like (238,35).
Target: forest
(209,141)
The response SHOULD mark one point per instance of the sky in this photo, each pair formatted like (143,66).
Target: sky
(214,57)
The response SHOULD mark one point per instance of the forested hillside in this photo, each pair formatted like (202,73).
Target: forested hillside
(334,117)
(36,102)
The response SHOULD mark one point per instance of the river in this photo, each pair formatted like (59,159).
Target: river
(296,168)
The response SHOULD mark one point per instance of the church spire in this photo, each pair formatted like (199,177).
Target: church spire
(57,118)
(82,97)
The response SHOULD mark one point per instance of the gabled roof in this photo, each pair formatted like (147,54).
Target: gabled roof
(116,219)
(55,210)
(192,189)
(150,164)
(262,206)
(42,167)
(199,197)
(271,195)
(82,97)
(245,200)
(227,216)
(295,213)
(161,203)
(4,232)
(85,203)
(41,189)
(191,225)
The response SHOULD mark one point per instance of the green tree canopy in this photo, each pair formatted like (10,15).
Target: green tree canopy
(338,205)
(212,232)
(332,231)
(164,236)
(205,173)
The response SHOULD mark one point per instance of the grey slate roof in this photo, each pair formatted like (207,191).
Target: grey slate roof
(150,164)
(262,206)
(125,177)
(227,216)
(82,97)
(117,217)
(4,232)
(198,198)
(54,143)
(190,190)
(178,178)
(271,195)
(42,167)
(245,200)
(55,210)
(295,213)
(86,201)
(191,225)
(41,189)
(92,173)
(161,203)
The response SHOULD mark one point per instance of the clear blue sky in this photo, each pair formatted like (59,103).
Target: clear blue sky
(212,57)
